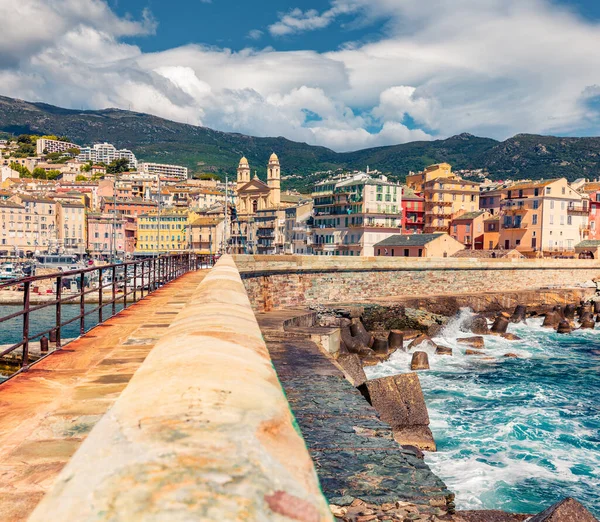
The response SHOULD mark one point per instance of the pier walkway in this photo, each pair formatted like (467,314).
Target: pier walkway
(46,412)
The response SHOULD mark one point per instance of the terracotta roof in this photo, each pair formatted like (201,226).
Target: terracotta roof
(469,215)
(532,184)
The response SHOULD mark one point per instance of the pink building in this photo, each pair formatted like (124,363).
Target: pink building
(100,234)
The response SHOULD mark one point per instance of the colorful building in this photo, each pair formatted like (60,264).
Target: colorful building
(468,228)
(413,212)
(418,245)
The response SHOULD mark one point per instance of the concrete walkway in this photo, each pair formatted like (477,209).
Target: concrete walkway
(47,412)
(354,452)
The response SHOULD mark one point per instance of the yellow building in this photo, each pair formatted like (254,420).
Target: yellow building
(416,182)
(173,226)
(446,197)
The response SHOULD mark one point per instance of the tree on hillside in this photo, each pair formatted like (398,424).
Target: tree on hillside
(23,171)
(81,177)
(39,173)
(87,167)
(74,151)
(118,166)
(53,174)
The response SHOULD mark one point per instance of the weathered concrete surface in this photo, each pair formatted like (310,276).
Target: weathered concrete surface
(46,413)
(202,431)
(354,451)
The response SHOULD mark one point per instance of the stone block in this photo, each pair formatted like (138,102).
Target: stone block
(567,510)
(420,361)
(352,367)
(475,342)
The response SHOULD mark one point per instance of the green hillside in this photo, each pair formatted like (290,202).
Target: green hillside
(206,150)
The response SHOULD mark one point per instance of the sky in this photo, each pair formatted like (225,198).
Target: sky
(345,74)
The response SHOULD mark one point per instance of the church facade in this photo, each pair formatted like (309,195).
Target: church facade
(255,200)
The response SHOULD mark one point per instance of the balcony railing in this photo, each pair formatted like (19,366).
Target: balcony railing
(577,209)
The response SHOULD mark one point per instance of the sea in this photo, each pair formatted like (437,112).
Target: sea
(515,434)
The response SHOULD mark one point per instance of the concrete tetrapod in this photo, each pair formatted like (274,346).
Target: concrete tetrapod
(420,361)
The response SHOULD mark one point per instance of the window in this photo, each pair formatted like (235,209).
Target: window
(536,192)
(564,190)
(406,252)
(551,205)
(551,219)
(548,190)
(534,219)
(536,204)
(569,220)
(468,228)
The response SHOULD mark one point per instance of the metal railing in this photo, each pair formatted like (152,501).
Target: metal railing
(125,283)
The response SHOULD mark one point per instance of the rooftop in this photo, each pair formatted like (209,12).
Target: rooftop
(469,215)
(409,239)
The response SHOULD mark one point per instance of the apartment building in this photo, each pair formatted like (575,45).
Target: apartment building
(413,212)
(352,214)
(71,227)
(491,195)
(299,229)
(45,146)
(416,182)
(445,197)
(106,153)
(468,228)
(110,235)
(418,245)
(547,216)
(34,227)
(207,234)
(164,170)
(167,232)
(591,190)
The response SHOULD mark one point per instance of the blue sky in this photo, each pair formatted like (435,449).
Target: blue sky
(346,74)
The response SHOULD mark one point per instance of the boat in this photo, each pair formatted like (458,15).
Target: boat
(10,272)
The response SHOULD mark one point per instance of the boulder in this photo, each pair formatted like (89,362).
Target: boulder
(399,401)
(475,342)
(479,325)
(443,350)
(359,332)
(511,337)
(473,352)
(598,318)
(500,324)
(351,366)
(380,346)
(551,320)
(588,324)
(396,340)
(424,340)
(567,510)
(564,327)
(519,314)
(569,312)
(511,355)
(420,361)
(597,307)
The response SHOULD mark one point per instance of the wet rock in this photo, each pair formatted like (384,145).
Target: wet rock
(598,318)
(420,361)
(564,327)
(511,337)
(359,332)
(370,360)
(587,322)
(597,307)
(443,350)
(413,449)
(512,355)
(351,365)
(479,325)
(475,342)
(380,346)
(500,324)
(399,401)
(396,340)
(569,312)
(567,510)
(519,314)
(423,340)
(473,352)
(551,320)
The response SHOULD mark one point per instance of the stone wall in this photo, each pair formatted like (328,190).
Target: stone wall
(275,282)
(203,430)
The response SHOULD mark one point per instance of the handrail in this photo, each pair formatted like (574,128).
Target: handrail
(127,279)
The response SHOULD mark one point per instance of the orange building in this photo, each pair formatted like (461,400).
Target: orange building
(468,228)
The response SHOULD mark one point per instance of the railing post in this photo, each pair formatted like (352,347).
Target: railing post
(125,285)
(135,282)
(154,272)
(26,299)
(82,304)
(114,290)
(100,283)
(58,310)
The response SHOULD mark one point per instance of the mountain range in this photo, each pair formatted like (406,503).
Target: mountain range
(206,150)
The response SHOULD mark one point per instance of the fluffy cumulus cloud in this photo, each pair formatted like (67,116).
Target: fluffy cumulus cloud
(490,67)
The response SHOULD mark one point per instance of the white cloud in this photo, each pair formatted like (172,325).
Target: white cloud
(255,34)
(490,67)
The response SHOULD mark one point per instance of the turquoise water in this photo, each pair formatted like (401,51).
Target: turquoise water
(514,434)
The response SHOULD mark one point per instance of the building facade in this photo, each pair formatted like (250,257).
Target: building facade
(45,146)
(164,170)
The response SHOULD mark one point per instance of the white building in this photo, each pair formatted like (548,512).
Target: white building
(107,153)
(45,146)
(169,171)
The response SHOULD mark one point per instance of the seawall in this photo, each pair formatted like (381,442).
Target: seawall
(203,430)
(279,282)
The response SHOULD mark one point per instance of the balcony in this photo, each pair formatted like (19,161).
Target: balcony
(431,204)
(515,226)
(577,209)
(514,211)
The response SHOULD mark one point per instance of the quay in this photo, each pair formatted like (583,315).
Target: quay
(208,400)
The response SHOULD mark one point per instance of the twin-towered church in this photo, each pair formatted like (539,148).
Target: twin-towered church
(253,194)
